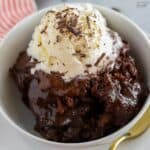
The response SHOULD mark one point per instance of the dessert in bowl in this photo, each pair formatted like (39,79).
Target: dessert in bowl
(77,76)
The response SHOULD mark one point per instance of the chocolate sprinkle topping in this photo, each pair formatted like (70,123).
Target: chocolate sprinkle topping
(75,31)
(49,42)
(39,44)
(88,22)
(88,65)
(82,55)
(58,38)
(86,71)
(67,9)
(99,59)
(44,30)
(67,21)
(50,11)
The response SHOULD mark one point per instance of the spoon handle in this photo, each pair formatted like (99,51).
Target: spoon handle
(117,142)
(135,131)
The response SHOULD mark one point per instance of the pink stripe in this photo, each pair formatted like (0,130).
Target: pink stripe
(4,14)
(1,33)
(31,5)
(3,20)
(23,8)
(1,26)
(27,5)
(8,14)
(12,11)
(18,11)
(1,29)
(15,9)
(4,26)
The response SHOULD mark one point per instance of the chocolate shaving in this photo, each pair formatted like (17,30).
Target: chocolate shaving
(82,55)
(88,65)
(63,74)
(75,31)
(90,34)
(64,23)
(58,15)
(39,44)
(44,30)
(99,59)
(50,11)
(68,9)
(86,71)
(58,38)
(88,22)
(70,36)
(73,20)
(61,25)
(49,42)
(78,51)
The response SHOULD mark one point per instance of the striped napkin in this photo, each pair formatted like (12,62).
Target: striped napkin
(12,11)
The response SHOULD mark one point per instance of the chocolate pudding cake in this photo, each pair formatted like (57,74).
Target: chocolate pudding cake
(77,76)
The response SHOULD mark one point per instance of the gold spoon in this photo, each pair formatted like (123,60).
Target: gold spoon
(135,131)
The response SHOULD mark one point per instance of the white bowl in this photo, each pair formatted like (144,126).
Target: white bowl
(11,105)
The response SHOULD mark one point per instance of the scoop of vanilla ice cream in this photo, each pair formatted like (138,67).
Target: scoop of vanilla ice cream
(75,41)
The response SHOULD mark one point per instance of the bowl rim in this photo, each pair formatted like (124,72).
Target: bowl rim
(99,141)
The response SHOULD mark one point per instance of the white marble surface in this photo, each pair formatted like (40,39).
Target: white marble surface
(139,11)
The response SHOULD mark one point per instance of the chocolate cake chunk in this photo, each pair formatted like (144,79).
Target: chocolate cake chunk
(82,109)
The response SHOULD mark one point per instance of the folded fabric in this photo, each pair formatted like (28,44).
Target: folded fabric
(12,11)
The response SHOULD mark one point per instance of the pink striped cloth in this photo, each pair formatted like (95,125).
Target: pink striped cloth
(12,11)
